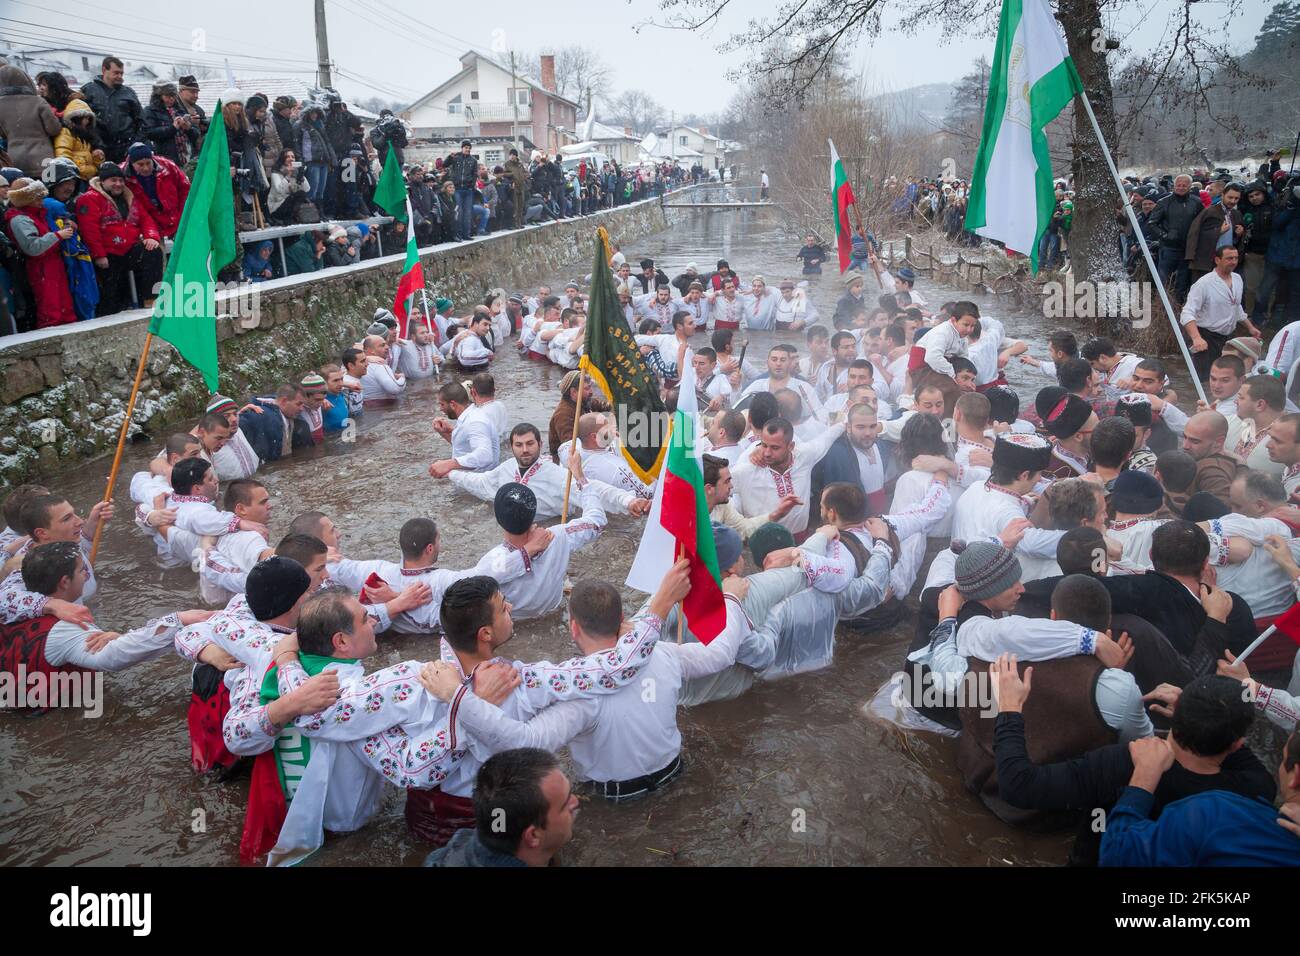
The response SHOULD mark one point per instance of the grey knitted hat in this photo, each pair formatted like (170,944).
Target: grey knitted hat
(984,569)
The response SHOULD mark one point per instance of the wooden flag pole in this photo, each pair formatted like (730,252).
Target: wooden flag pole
(121,440)
(573,448)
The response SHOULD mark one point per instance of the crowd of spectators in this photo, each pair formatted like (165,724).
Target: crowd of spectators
(92,185)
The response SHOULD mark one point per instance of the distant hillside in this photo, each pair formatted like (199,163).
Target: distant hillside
(918,106)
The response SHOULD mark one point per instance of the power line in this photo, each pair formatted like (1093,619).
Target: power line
(216,64)
(119,15)
(45,31)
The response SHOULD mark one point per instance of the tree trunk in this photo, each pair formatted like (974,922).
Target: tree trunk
(1094,235)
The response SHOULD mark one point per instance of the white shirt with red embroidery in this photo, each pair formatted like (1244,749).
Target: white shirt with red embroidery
(541,590)
(757,489)
(547,481)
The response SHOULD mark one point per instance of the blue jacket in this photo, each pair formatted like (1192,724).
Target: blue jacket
(265,431)
(1284,242)
(466,849)
(839,464)
(1215,828)
(335,411)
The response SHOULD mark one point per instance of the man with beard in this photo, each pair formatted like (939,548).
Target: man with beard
(380,385)
(470,430)
(774,470)
(544,477)
(420,357)
(854,459)
(649,280)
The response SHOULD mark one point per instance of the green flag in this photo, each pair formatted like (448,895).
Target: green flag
(613,360)
(185,311)
(391,196)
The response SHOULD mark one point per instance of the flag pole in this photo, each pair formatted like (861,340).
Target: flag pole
(121,439)
(681,606)
(1255,643)
(1146,250)
(573,448)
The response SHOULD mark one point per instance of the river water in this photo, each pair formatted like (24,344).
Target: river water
(119,789)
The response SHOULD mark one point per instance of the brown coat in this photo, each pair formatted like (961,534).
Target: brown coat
(29,120)
(1203,236)
(1215,474)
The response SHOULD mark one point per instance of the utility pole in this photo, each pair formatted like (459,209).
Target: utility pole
(514,103)
(322,47)
(672,135)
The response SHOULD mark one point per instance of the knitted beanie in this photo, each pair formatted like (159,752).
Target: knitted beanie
(984,569)
(767,538)
(1136,493)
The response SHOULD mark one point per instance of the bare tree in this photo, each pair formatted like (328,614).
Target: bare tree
(637,109)
(581,74)
(1193,61)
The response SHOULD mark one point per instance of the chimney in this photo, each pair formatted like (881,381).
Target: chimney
(704,131)
(627,131)
(548,72)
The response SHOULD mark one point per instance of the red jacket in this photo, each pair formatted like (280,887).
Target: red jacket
(46,272)
(172,188)
(106,231)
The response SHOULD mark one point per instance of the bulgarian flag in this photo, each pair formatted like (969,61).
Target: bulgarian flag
(391,197)
(678,525)
(841,198)
(1012,196)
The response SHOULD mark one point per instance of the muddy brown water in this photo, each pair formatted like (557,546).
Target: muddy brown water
(119,789)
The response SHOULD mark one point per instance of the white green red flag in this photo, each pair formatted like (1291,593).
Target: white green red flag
(678,524)
(841,199)
(392,198)
(1012,195)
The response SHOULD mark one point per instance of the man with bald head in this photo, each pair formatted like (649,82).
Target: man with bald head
(380,385)
(1203,439)
(601,458)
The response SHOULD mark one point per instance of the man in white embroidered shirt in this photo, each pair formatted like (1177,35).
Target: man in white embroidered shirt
(515,507)
(1213,311)
(380,384)
(776,469)
(474,442)
(546,479)
(625,744)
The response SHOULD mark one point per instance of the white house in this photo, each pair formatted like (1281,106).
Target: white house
(684,141)
(482,102)
(78,66)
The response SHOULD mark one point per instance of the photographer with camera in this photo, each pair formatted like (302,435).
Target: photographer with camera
(168,125)
(388,133)
(289,191)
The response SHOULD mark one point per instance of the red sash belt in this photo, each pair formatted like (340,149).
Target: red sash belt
(434,817)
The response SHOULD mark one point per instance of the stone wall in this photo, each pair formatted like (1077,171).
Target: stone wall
(64,391)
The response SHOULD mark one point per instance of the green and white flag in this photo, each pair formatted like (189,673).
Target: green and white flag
(1012,195)
(185,312)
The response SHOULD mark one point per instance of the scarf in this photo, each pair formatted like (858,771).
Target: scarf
(277,772)
(76,260)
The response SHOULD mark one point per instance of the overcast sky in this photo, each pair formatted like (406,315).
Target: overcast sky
(404,48)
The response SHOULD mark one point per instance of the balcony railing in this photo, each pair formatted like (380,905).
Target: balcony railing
(494,113)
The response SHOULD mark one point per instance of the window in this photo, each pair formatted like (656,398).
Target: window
(454,105)
(85,63)
(492,155)
(681,140)
(521,97)
(473,95)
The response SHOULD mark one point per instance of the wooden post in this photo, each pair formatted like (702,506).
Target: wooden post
(573,448)
(121,439)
